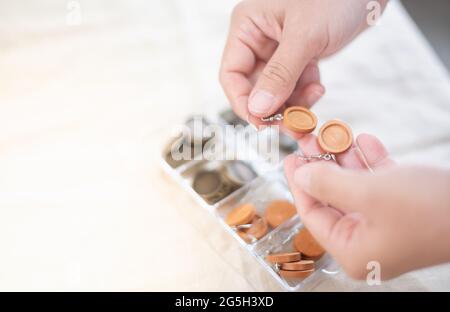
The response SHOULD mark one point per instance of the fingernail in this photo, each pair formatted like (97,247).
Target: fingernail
(302,177)
(314,97)
(261,102)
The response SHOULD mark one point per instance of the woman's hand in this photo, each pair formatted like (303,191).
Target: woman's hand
(273,47)
(397,216)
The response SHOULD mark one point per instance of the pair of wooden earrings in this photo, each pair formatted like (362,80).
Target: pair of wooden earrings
(334,137)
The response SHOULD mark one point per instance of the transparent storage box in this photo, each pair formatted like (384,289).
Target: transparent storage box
(263,187)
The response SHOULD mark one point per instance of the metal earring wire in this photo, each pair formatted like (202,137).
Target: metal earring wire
(326,157)
(277,117)
(363,159)
(277,267)
(242,227)
(252,238)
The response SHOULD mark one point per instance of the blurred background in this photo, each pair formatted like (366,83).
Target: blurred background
(433,20)
(89,93)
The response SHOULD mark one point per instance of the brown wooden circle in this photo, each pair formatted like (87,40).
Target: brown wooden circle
(299,119)
(279,211)
(296,274)
(242,214)
(258,229)
(305,243)
(284,257)
(301,265)
(335,137)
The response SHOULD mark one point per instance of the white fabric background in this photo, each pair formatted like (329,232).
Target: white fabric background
(84,111)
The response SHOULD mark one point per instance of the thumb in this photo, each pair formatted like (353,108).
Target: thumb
(343,189)
(280,75)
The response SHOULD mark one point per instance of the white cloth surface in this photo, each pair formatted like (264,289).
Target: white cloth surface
(85,110)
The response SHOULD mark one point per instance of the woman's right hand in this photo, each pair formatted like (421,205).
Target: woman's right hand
(273,48)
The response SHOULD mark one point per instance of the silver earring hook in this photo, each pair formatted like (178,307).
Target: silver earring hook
(326,157)
(277,117)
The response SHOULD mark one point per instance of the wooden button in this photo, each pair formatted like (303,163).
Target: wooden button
(302,265)
(279,211)
(299,119)
(305,243)
(243,214)
(316,258)
(296,274)
(257,230)
(335,137)
(284,257)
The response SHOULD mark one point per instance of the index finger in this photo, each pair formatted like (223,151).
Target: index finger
(238,61)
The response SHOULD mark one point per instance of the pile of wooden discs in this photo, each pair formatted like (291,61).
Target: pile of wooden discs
(299,264)
(251,227)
